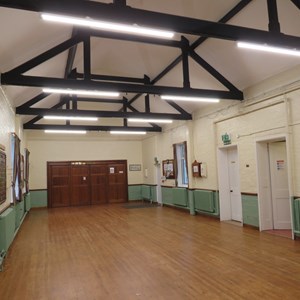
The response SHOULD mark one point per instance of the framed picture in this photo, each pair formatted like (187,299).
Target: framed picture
(168,169)
(135,167)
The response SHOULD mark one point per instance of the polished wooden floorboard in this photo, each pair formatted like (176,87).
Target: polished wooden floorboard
(110,252)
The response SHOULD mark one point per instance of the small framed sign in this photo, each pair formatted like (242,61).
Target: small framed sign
(135,167)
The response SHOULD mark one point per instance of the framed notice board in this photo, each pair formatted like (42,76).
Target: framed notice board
(2,177)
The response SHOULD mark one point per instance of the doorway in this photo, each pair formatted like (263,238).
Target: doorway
(273,186)
(87,183)
(229,184)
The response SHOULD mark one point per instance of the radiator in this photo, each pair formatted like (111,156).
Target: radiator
(204,201)
(297,215)
(180,196)
(7,228)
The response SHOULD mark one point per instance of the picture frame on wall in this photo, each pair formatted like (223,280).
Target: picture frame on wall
(168,168)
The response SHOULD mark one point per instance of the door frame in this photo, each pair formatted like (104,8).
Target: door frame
(223,178)
(263,167)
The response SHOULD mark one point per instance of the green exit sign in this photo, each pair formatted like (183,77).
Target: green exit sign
(226,139)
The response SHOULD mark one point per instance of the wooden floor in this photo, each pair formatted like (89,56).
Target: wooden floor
(110,252)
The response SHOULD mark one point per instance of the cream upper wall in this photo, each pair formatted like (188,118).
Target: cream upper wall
(51,149)
(8,124)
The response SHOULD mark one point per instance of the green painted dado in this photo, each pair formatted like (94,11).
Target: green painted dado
(296,215)
(38,198)
(20,210)
(206,202)
(7,228)
(175,197)
(250,210)
(27,202)
(134,192)
(142,192)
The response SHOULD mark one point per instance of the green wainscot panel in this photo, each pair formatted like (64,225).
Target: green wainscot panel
(167,195)
(27,202)
(296,215)
(7,228)
(180,196)
(134,192)
(20,210)
(153,193)
(38,198)
(250,210)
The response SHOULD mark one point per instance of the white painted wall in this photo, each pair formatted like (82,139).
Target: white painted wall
(45,148)
(8,124)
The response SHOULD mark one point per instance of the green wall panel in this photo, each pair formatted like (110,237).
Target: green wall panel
(7,228)
(134,192)
(27,202)
(20,210)
(38,198)
(296,215)
(167,195)
(180,196)
(250,210)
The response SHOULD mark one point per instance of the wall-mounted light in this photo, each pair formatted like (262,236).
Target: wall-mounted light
(136,120)
(70,118)
(127,132)
(81,92)
(66,131)
(109,26)
(186,98)
(266,48)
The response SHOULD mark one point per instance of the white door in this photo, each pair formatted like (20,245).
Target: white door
(279,186)
(234,185)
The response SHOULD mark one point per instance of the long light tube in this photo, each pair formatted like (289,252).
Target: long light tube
(193,99)
(266,48)
(70,118)
(81,92)
(149,120)
(127,132)
(66,131)
(108,26)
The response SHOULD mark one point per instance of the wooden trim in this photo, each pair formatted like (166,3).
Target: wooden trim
(249,194)
(136,184)
(196,189)
(169,187)
(38,190)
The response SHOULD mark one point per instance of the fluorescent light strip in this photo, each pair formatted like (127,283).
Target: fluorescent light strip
(81,92)
(66,131)
(149,120)
(70,118)
(193,99)
(108,26)
(127,132)
(266,48)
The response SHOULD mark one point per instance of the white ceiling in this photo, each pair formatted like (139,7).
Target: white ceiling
(24,35)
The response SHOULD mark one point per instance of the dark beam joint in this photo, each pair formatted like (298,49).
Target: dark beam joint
(120,3)
(35,100)
(274,25)
(296,2)
(185,62)
(87,58)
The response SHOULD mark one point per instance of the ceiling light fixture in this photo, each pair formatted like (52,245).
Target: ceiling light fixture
(66,131)
(127,132)
(81,92)
(266,48)
(149,120)
(185,98)
(108,26)
(70,118)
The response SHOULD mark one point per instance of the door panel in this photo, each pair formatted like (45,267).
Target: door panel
(234,185)
(279,183)
(117,183)
(60,182)
(98,175)
(80,186)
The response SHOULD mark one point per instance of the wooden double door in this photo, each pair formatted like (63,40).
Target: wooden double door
(87,182)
